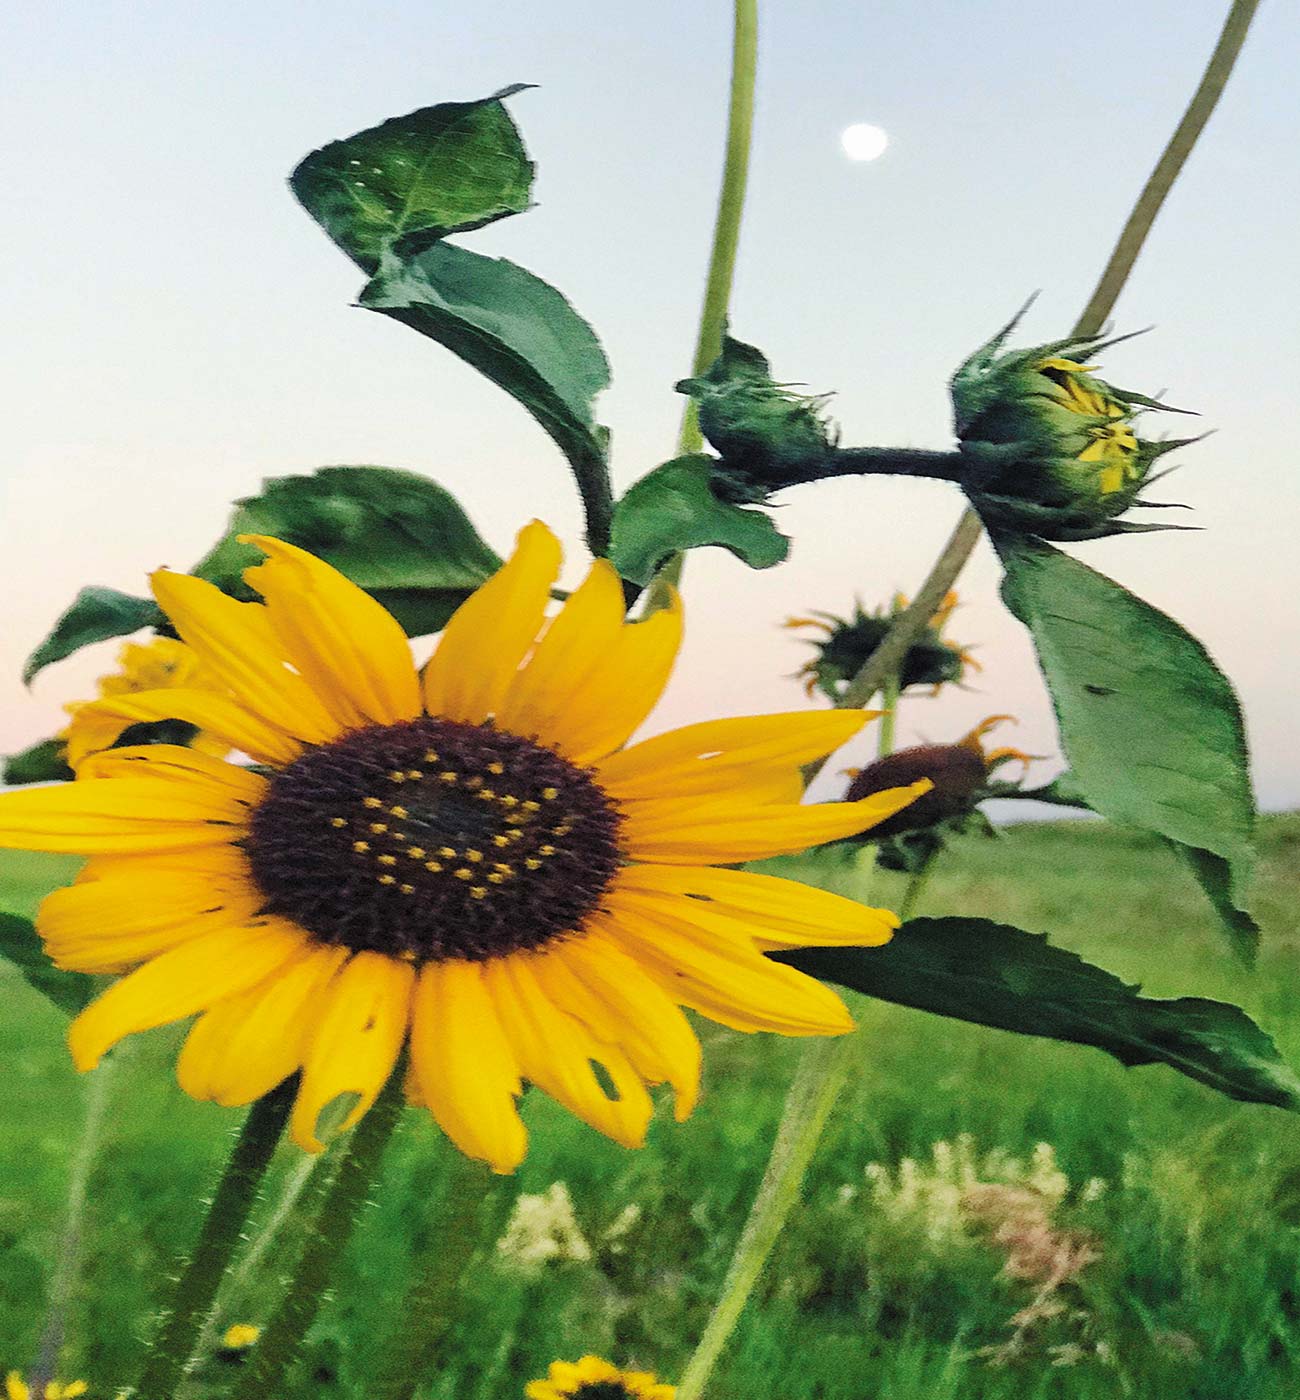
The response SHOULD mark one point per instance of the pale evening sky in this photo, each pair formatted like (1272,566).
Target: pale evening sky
(177,329)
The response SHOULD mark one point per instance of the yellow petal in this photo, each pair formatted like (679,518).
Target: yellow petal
(238,645)
(349,649)
(176,763)
(118,815)
(602,714)
(677,832)
(492,631)
(703,758)
(16,1388)
(180,982)
(576,643)
(775,913)
(464,1066)
(246,1044)
(591,979)
(556,1053)
(720,977)
(100,722)
(361,1024)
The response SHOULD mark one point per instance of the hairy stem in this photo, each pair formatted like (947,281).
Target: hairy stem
(220,1237)
(330,1216)
(471,1197)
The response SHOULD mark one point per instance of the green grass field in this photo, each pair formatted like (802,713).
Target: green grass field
(883,1287)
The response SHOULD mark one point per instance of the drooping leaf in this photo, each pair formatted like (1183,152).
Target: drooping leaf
(413,179)
(1150,725)
(519,332)
(1214,875)
(401,537)
(996,975)
(96,615)
(40,763)
(674,508)
(21,945)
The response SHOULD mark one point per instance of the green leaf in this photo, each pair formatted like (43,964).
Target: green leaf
(20,943)
(41,763)
(519,332)
(96,615)
(414,179)
(674,508)
(399,536)
(1150,725)
(1214,875)
(996,975)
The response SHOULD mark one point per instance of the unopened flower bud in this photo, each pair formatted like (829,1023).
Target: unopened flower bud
(1052,450)
(766,435)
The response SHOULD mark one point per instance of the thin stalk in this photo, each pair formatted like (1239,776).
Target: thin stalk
(726,239)
(328,1231)
(1101,303)
(822,1073)
(452,1236)
(731,205)
(916,887)
(62,1285)
(891,692)
(219,1238)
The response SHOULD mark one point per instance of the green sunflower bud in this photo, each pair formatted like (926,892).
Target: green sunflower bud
(1050,449)
(847,643)
(766,434)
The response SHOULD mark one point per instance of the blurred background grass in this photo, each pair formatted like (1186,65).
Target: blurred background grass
(883,1285)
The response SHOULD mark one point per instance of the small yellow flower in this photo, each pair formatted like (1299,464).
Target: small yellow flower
(154,666)
(592,1378)
(240,1336)
(17,1389)
(1114,445)
(336,904)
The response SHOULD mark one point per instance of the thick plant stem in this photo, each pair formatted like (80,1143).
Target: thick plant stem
(731,205)
(1110,284)
(333,1212)
(452,1234)
(823,1070)
(220,1237)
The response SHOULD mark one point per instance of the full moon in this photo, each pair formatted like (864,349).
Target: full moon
(863,141)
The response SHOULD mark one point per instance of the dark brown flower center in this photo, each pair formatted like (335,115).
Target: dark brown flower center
(432,839)
(602,1390)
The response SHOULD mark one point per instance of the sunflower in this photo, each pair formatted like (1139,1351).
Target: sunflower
(591,1378)
(162,663)
(464,861)
(17,1389)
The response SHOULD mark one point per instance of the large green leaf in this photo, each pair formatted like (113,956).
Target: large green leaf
(1149,723)
(674,508)
(519,332)
(399,536)
(413,179)
(996,975)
(96,615)
(21,945)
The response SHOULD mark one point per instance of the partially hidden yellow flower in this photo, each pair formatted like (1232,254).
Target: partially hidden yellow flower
(592,1378)
(465,861)
(1113,444)
(239,1336)
(157,665)
(17,1389)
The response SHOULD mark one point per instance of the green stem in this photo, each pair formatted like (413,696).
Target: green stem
(220,1237)
(452,1234)
(332,1213)
(916,887)
(726,239)
(891,692)
(822,1073)
(877,461)
(96,1090)
(957,551)
(731,205)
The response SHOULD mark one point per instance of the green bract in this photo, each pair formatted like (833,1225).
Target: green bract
(1050,449)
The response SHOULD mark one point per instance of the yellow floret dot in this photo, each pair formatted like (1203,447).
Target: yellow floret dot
(478,891)
(361,845)
(371,802)
(398,812)
(240,1335)
(500,840)
(397,776)
(531,806)
(550,794)
(386,879)
(446,852)
(495,876)
(433,866)
(533,863)
(463,872)
(415,774)
(497,768)
(407,889)
(387,860)
(378,827)
(546,850)
(474,856)
(415,852)
(338,821)
(447,777)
